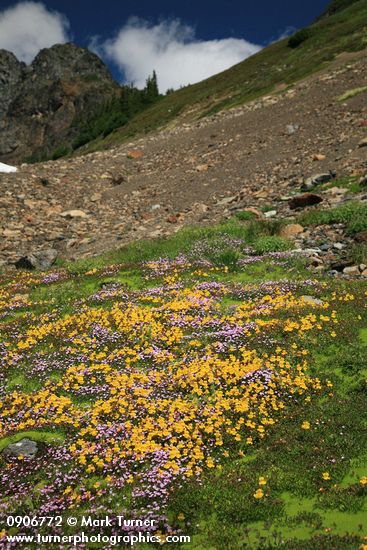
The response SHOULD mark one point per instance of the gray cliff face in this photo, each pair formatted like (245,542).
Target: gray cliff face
(11,76)
(40,102)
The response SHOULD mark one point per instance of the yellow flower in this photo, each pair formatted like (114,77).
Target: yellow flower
(181,517)
(306,425)
(326,476)
(262,481)
(258,494)
(363,480)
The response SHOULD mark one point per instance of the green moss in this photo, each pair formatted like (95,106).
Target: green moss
(245,215)
(352,93)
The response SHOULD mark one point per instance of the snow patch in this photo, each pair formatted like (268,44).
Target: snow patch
(6,168)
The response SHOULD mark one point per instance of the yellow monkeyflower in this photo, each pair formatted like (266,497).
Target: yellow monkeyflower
(262,481)
(363,480)
(258,494)
(306,425)
(326,476)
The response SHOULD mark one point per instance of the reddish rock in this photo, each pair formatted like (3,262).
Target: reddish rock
(361,237)
(135,154)
(202,168)
(291,230)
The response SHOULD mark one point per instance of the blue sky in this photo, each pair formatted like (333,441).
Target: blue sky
(184,41)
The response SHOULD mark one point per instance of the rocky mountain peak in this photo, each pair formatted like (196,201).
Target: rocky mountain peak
(39,103)
(63,61)
(11,74)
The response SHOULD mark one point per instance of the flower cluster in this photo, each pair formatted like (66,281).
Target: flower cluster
(150,388)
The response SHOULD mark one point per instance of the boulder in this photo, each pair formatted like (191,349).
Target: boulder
(25,448)
(270,214)
(292,129)
(42,259)
(361,237)
(340,265)
(74,214)
(318,179)
(302,201)
(291,230)
(227,200)
(352,270)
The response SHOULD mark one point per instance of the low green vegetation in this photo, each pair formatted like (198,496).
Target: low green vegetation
(338,5)
(250,231)
(350,183)
(271,243)
(299,37)
(245,215)
(353,214)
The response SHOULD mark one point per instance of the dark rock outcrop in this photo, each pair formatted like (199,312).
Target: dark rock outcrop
(40,103)
(301,201)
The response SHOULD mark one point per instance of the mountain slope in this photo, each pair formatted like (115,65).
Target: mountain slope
(257,153)
(272,69)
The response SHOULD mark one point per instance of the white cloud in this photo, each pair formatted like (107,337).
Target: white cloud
(171,48)
(28,27)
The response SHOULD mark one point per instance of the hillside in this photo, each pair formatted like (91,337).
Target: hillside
(273,69)
(255,156)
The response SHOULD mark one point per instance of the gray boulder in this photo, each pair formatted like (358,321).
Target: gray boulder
(318,179)
(25,447)
(43,259)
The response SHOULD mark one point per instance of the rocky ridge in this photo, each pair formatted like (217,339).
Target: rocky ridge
(40,102)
